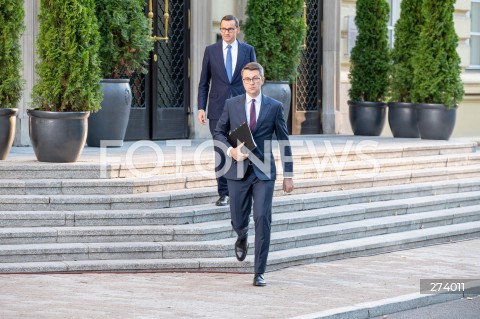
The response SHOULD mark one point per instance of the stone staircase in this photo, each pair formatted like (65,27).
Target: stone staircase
(97,216)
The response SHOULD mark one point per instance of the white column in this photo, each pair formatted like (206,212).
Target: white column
(331,67)
(31,8)
(241,10)
(200,37)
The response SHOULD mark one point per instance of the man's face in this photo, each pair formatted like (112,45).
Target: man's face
(229,31)
(252,82)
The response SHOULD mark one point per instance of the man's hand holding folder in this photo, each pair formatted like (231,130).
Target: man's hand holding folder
(242,134)
(241,137)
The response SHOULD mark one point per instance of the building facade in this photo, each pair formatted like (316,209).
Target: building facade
(166,107)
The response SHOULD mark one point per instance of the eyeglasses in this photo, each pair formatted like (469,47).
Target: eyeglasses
(251,80)
(224,30)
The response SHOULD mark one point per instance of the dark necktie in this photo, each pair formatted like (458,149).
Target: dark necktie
(228,63)
(253,116)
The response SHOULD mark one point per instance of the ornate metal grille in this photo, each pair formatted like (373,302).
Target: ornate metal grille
(171,56)
(137,83)
(308,79)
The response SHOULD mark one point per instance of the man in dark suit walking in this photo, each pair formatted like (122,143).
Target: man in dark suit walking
(221,79)
(251,175)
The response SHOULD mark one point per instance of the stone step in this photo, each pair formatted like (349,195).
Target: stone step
(366,149)
(277,259)
(319,169)
(375,244)
(309,227)
(323,167)
(352,197)
(112,166)
(102,186)
(198,196)
(303,237)
(201,213)
(220,229)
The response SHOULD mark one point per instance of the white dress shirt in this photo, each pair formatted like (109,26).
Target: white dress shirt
(248,102)
(234,51)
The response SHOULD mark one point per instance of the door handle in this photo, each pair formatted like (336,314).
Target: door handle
(166,16)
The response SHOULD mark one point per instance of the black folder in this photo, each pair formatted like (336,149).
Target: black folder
(242,134)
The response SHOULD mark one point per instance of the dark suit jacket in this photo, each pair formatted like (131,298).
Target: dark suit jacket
(270,120)
(214,78)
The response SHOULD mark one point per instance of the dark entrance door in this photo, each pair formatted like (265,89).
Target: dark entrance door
(161,98)
(307,91)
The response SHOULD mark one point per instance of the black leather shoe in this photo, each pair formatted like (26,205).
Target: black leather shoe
(259,280)
(224,200)
(241,249)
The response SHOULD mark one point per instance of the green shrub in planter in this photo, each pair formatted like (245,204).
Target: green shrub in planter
(437,85)
(370,57)
(125,39)
(402,117)
(125,49)
(276,30)
(11,82)
(436,62)
(68,68)
(369,68)
(407,38)
(12,26)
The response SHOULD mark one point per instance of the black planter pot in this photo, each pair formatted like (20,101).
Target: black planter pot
(402,118)
(280,91)
(111,121)
(367,118)
(435,122)
(58,136)
(8,120)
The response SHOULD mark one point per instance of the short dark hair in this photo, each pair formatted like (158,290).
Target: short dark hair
(229,17)
(252,66)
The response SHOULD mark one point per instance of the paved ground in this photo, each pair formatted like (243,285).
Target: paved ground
(306,291)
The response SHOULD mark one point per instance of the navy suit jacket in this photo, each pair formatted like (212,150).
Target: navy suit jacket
(214,79)
(270,120)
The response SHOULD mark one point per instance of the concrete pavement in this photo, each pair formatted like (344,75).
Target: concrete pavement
(346,288)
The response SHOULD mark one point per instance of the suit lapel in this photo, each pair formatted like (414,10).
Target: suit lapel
(240,108)
(264,109)
(219,60)
(241,55)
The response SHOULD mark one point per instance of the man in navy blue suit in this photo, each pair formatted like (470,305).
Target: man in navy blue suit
(220,79)
(251,175)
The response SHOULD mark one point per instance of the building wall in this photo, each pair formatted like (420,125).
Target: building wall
(199,39)
(205,21)
(469,110)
